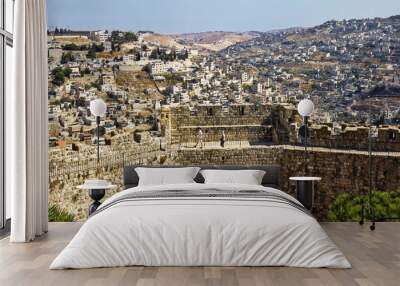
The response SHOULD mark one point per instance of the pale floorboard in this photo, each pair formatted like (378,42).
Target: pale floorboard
(375,257)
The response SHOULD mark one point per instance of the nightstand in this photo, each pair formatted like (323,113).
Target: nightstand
(305,188)
(97,190)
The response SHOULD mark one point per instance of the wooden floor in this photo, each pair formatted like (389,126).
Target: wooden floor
(375,257)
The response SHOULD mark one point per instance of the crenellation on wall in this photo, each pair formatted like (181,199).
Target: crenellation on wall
(386,138)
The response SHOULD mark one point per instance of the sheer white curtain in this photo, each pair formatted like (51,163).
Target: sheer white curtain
(26,144)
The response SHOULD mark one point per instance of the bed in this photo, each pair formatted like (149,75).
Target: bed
(201,224)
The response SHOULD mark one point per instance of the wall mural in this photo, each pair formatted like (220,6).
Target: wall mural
(182,97)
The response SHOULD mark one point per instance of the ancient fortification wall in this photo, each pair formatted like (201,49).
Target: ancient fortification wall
(253,156)
(251,133)
(387,139)
(268,123)
(341,171)
(203,115)
(70,171)
(254,123)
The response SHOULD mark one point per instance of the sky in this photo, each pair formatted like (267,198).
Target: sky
(188,16)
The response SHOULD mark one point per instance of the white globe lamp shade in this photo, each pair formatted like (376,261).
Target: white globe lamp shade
(98,107)
(305,107)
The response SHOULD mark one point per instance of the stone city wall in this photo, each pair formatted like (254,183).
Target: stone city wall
(387,138)
(252,133)
(230,156)
(211,115)
(70,171)
(251,122)
(341,171)
(280,124)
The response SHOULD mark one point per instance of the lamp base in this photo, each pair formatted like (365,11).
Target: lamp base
(96,195)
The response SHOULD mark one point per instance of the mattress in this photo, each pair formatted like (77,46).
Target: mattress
(201,225)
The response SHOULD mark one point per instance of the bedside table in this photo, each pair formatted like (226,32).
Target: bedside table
(305,187)
(97,190)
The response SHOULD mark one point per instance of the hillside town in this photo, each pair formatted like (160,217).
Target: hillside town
(350,69)
(339,64)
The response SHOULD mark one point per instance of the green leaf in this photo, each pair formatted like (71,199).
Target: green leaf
(348,208)
(59,215)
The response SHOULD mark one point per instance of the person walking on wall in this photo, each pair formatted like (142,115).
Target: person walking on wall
(222,139)
(200,139)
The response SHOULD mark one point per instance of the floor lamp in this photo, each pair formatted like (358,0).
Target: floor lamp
(98,108)
(371,207)
(305,109)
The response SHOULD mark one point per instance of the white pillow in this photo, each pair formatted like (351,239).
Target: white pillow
(166,176)
(247,177)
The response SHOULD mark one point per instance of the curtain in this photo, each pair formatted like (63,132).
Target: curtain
(26,120)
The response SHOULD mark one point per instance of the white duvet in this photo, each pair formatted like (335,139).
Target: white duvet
(200,232)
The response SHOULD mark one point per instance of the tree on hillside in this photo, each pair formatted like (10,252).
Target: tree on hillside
(67,57)
(59,75)
(67,72)
(96,84)
(91,54)
(58,78)
(70,47)
(93,50)
(74,47)
(130,37)
(183,55)
(56,70)
(99,48)
(85,71)
(155,54)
